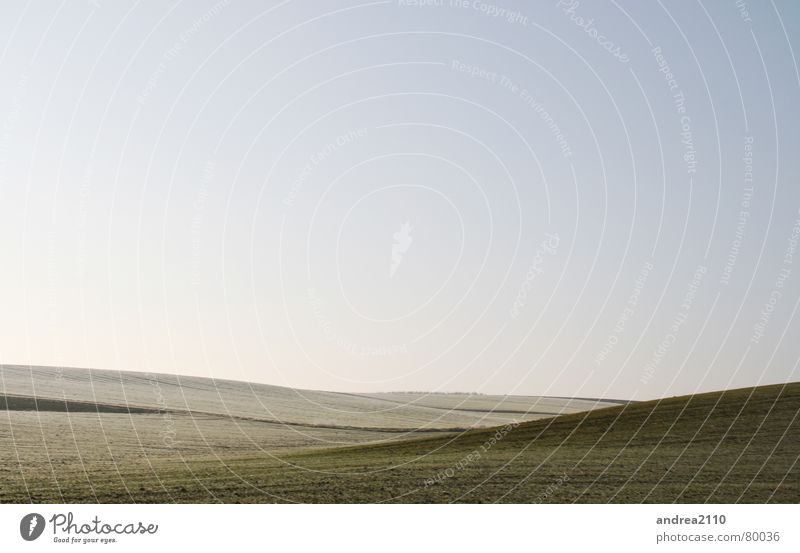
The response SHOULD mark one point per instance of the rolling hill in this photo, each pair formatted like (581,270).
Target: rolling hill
(75,435)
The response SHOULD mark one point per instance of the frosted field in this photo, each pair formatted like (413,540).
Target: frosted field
(533,406)
(241,400)
(50,450)
(65,433)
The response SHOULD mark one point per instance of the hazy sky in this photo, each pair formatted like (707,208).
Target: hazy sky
(588,199)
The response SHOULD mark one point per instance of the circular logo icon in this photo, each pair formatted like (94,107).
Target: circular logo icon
(31,526)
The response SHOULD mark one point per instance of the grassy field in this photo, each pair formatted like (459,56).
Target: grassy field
(733,446)
(250,401)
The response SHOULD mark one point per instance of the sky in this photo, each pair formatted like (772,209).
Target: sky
(592,199)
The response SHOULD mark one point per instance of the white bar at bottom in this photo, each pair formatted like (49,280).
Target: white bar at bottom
(406,528)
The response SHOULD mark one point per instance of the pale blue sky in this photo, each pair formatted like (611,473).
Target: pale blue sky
(221,189)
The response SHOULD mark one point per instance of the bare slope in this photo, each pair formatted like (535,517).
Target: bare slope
(730,446)
(245,400)
(65,427)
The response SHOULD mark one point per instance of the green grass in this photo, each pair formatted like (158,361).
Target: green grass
(733,446)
